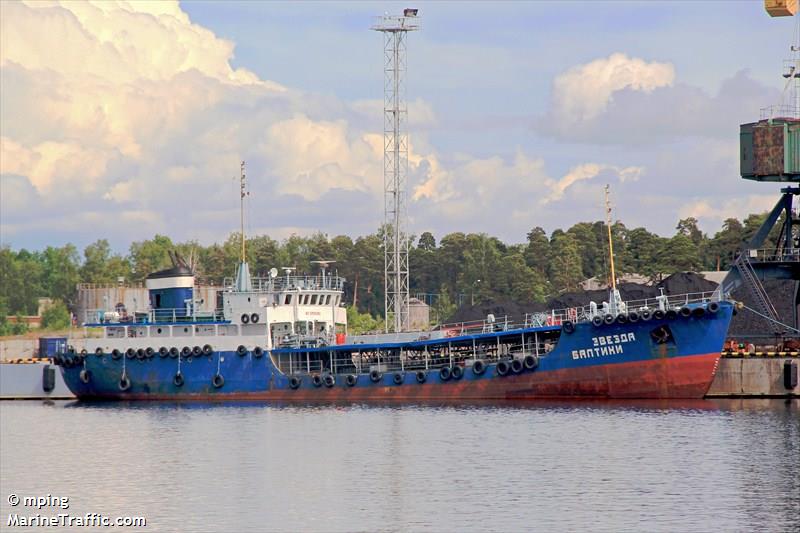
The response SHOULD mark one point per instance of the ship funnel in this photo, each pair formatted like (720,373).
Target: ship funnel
(171,291)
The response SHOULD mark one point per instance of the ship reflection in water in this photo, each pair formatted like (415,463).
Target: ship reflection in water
(722,465)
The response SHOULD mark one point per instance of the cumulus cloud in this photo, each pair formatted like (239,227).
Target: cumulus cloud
(586,171)
(584,91)
(126,110)
(128,116)
(713,212)
(622,100)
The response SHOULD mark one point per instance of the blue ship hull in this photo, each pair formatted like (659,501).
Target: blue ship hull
(673,357)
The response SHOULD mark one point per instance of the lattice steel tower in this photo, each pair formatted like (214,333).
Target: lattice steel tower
(395,165)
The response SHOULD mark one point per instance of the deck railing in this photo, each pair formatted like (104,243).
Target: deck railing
(284,283)
(151,316)
(586,313)
(774,256)
(395,360)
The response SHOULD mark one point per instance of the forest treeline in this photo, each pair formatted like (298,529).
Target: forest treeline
(477,265)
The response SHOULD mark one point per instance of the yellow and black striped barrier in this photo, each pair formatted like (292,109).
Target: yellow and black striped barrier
(740,355)
(26,361)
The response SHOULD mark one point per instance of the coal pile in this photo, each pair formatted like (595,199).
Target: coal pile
(499,308)
(745,324)
(686,282)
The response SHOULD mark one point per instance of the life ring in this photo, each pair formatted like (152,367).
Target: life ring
(207,349)
(457,372)
(130,353)
(671,314)
(375,376)
(444,373)
(713,307)
(350,380)
(178,380)
(398,378)
(186,351)
(329,380)
(173,352)
(633,317)
(245,318)
(241,350)
(98,351)
(115,354)
(316,380)
(516,366)
(218,381)
(646,315)
(294,382)
(421,376)
(502,368)
(258,352)
(149,352)
(163,352)
(608,319)
(658,314)
(685,312)
(530,362)
(254,318)
(478,367)
(568,327)
(124,383)
(197,351)
(85,375)
(597,321)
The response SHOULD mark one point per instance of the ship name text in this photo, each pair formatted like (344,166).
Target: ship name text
(605,345)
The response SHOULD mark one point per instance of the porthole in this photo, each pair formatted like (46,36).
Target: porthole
(159,330)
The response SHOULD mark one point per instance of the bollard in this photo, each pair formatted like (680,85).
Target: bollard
(789,374)
(49,378)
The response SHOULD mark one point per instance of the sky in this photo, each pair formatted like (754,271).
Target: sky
(120,120)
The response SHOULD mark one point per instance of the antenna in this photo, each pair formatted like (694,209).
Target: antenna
(395,165)
(610,242)
(243,193)
(323,265)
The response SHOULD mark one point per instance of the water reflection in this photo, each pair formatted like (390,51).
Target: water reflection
(730,465)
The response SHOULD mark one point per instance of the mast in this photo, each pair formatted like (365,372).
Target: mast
(243,193)
(610,241)
(243,281)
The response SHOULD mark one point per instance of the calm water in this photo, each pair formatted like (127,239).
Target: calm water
(698,466)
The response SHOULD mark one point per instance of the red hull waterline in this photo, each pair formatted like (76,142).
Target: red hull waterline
(686,377)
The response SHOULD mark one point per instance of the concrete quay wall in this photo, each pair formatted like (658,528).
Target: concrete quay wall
(761,376)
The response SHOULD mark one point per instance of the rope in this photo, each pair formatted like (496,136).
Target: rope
(772,320)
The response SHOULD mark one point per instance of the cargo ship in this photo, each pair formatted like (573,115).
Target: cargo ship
(284,338)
